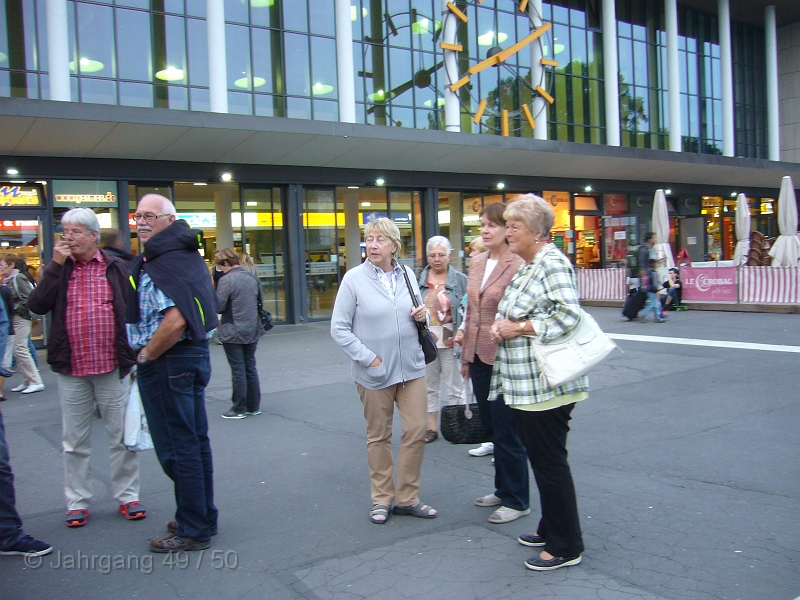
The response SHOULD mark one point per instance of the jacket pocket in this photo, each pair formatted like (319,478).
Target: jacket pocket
(375,375)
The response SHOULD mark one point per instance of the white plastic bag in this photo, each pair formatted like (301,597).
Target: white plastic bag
(136,436)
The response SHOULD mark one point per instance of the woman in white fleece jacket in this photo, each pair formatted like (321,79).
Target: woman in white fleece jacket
(373,322)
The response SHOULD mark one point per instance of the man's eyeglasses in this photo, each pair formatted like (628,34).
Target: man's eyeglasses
(73,233)
(148,217)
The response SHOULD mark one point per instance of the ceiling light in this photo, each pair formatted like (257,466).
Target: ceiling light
(487,39)
(501,185)
(87,65)
(365,204)
(261,3)
(352,187)
(245,82)
(225,177)
(12,171)
(733,194)
(170,74)
(354,13)
(199,183)
(667,192)
(320,89)
(378,96)
(251,203)
(588,188)
(380,181)
(18,181)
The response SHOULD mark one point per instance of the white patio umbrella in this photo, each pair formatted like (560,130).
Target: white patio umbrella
(786,249)
(742,250)
(661,229)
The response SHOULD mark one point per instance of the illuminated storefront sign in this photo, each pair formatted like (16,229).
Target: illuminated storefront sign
(16,195)
(208,220)
(85,193)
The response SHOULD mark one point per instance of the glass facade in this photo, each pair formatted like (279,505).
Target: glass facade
(642,59)
(281,61)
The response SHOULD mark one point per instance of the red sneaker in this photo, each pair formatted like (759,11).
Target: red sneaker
(77,518)
(132,510)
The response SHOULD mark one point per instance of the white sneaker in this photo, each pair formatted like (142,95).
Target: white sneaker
(484,449)
(34,387)
(504,514)
(489,500)
(20,387)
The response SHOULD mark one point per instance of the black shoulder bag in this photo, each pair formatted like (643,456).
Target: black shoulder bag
(426,339)
(264,315)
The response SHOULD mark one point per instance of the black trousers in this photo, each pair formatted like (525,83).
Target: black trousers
(510,460)
(544,435)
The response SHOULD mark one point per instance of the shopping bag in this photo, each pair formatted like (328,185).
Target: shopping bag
(136,433)
(463,423)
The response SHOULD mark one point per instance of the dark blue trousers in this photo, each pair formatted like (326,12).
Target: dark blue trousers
(510,459)
(172,389)
(10,523)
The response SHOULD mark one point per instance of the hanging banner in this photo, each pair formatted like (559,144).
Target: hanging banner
(709,284)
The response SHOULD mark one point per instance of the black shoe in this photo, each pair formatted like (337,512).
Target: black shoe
(539,564)
(531,539)
(27,546)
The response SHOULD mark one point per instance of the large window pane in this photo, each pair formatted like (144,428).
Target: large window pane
(198,52)
(321,17)
(95,41)
(133,45)
(295,15)
(297,77)
(263,241)
(323,52)
(237,45)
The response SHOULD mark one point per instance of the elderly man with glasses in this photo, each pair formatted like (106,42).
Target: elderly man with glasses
(84,288)
(172,311)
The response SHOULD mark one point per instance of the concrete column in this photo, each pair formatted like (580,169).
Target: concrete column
(611,71)
(452,109)
(344,62)
(726,67)
(773,120)
(57,50)
(538,75)
(217,59)
(223,205)
(352,230)
(673,76)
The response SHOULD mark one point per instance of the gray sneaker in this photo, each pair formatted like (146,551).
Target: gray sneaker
(233,415)
(252,413)
(488,500)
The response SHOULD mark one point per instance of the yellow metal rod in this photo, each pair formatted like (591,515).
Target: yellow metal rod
(479,113)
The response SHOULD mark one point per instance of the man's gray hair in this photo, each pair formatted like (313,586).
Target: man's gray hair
(82,216)
(167,207)
(438,240)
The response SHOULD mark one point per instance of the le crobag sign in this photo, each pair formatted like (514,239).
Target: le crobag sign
(709,284)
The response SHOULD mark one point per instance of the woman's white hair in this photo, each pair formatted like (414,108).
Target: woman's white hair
(385,227)
(438,240)
(82,216)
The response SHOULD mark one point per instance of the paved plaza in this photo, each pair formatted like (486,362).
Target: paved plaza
(685,459)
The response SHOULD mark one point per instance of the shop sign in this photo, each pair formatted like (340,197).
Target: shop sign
(17,225)
(15,195)
(709,284)
(615,204)
(84,193)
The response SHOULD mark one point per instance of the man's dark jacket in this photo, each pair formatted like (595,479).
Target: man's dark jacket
(171,260)
(51,296)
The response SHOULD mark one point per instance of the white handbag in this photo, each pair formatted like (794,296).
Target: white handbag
(136,433)
(571,355)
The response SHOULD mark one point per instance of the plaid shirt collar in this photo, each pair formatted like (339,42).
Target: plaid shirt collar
(97,256)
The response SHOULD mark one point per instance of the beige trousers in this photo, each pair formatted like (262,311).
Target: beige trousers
(78,395)
(410,398)
(25,364)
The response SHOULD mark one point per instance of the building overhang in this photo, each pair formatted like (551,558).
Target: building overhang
(43,128)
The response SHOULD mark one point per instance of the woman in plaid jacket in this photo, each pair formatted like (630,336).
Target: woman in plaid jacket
(541,301)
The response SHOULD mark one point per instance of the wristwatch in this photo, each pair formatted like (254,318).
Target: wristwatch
(142,358)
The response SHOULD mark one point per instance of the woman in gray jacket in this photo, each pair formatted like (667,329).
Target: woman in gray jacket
(373,322)
(239,330)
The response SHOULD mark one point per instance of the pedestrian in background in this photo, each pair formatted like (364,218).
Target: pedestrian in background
(21,289)
(172,309)
(239,330)
(541,301)
(443,289)
(247,264)
(84,289)
(22,267)
(112,244)
(373,322)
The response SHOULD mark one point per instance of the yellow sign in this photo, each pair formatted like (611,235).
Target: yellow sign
(14,195)
(94,199)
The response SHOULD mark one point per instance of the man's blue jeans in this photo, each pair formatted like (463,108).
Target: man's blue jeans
(244,377)
(10,523)
(654,304)
(172,389)
(511,481)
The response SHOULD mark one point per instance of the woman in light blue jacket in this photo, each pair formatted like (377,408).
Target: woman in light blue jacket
(373,322)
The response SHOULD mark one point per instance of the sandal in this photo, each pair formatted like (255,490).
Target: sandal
(431,436)
(423,511)
(379,513)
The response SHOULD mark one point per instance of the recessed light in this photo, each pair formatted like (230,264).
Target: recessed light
(380,181)
(199,183)
(352,187)
(12,171)
(733,194)
(251,203)
(365,204)
(667,192)
(588,188)
(500,185)
(225,177)
(18,181)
